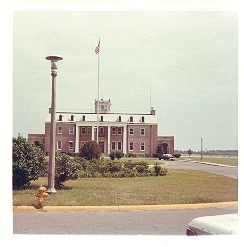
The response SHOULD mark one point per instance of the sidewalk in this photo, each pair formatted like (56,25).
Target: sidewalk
(125,208)
(207,163)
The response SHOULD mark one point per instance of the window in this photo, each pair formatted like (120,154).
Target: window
(131,132)
(59,145)
(71,145)
(113,131)
(88,130)
(101,130)
(142,132)
(101,118)
(119,131)
(131,146)
(83,118)
(71,130)
(59,130)
(131,119)
(72,118)
(113,146)
(119,145)
(142,119)
(142,146)
(119,119)
(60,118)
(83,130)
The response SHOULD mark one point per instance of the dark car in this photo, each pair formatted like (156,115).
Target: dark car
(166,157)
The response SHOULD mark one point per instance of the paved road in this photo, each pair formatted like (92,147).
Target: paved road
(168,222)
(185,165)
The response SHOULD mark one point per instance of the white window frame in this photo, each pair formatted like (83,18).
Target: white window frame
(59,130)
(71,145)
(59,145)
(89,130)
(113,143)
(142,132)
(71,130)
(142,146)
(113,130)
(119,145)
(119,131)
(83,128)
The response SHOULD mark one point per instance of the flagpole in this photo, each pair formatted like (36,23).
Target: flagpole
(98,98)
(98,93)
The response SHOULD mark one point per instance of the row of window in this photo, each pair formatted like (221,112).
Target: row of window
(114,131)
(71,130)
(131,146)
(113,146)
(71,145)
(72,118)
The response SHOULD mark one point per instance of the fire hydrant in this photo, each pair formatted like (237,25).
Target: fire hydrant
(41,194)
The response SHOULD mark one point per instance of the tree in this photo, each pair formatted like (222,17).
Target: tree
(40,144)
(67,168)
(28,162)
(190,152)
(90,150)
(160,150)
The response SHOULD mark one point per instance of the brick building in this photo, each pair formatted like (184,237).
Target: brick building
(128,133)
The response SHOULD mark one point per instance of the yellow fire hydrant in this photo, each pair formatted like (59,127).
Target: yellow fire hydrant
(41,194)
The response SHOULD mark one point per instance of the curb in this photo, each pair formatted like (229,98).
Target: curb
(208,163)
(125,208)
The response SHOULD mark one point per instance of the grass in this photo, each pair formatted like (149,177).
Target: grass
(178,187)
(231,161)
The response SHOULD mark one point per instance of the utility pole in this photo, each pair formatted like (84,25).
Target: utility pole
(201,150)
(52,145)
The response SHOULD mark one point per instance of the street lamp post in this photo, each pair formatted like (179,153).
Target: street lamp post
(52,144)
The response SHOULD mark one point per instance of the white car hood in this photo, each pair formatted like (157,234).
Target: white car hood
(219,224)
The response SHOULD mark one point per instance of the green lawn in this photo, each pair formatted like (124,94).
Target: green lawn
(178,187)
(231,161)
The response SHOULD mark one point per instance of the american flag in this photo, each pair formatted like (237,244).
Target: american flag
(97,49)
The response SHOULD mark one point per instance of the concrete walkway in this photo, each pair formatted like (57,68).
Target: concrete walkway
(125,208)
(207,163)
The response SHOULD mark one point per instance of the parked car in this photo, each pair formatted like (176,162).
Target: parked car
(213,225)
(166,157)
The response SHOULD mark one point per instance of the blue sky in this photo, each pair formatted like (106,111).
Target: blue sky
(184,62)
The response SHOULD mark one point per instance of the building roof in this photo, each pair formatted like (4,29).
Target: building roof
(107,117)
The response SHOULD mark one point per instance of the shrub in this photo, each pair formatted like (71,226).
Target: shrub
(119,155)
(90,150)
(112,156)
(28,162)
(67,168)
(157,169)
(128,164)
(114,167)
(131,155)
(163,172)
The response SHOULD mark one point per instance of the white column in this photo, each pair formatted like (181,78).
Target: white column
(93,133)
(124,140)
(109,132)
(77,138)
